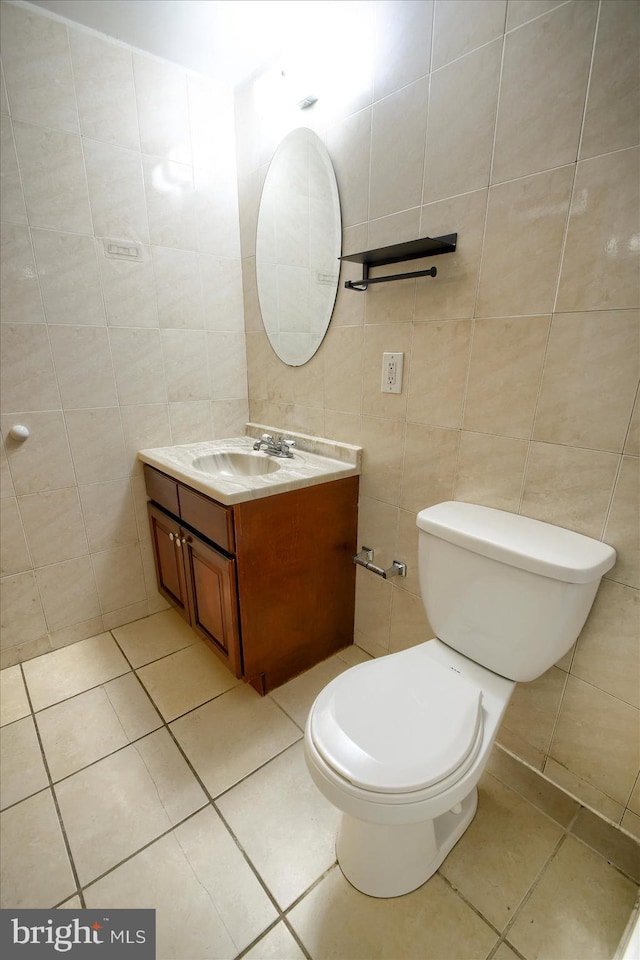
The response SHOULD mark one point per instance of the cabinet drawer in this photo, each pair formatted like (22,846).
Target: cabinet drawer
(209,518)
(162,489)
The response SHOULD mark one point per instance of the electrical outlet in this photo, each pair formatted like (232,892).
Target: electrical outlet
(392,364)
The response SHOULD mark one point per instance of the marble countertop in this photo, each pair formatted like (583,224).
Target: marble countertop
(315,460)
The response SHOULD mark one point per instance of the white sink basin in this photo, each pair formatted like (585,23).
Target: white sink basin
(236,464)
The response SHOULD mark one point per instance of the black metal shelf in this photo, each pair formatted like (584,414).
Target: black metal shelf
(398,253)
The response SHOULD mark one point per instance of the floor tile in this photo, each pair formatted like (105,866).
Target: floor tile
(186,679)
(64,673)
(504,952)
(88,727)
(35,868)
(432,923)
(278,944)
(13,696)
(208,902)
(579,908)
(116,806)
(153,637)
(22,771)
(500,855)
(297,696)
(612,844)
(232,736)
(284,824)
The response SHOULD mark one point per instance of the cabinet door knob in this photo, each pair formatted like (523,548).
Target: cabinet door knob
(170,536)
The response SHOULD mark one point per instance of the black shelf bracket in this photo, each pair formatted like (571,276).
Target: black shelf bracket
(398,253)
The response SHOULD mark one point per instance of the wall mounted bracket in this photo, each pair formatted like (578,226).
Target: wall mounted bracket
(398,253)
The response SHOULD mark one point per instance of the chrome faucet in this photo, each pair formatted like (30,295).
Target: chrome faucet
(277,448)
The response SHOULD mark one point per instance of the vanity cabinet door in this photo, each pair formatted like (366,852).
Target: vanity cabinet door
(213,598)
(165,535)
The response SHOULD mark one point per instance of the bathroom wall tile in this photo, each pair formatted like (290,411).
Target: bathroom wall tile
(108,514)
(528,783)
(490,470)
(14,703)
(504,375)
(623,527)
(460,27)
(349,144)
(634,799)
(542,93)
(407,550)
(589,380)
(103,77)
(409,625)
(186,679)
(439,362)
(402,44)
(138,365)
(606,193)
(383,446)
(13,546)
(613,102)
(163,110)
(83,366)
(216,211)
(68,275)
(145,425)
(155,637)
(512,743)
(53,526)
(458,157)
(171,204)
(226,356)
(366,926)
(75,632)
(632,443)
(6,483)
(394,228)
(523,242)
(36,868)
(378,529)
(453,296)
(229,417)
(119,577)
(28,376)
(209,141)
(597,739)
(612,844)
(607,654)
(221,293)
(191,421)
(398,129)
(97,444)
(185,364)
(378,338)
(44,96)
(178,288)
(533,708)
(569,486)
(68,592)
(581,905)
(507,843)
(12,205)
(128,613)
(429,466)
(584,791)
(44,462)
(384,303)
(53,178)
(631,823)
(342,350)
(22,614)
(19,652)
(4,103)
(521,11)
(129,291)
(116,191)
(21,300)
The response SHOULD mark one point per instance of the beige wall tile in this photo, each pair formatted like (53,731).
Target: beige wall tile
(75,632)
(584,791)
(108,513)
(138,365)
(68,592)
(145,425)
(383,445)
(597,739)
(402,38)
(44,461)
(377,529)
(349,145)
(116,191)
(342,352)
(129,291)
(6,483)
(589,380)
(178,289)
(163,111)
(520,11)
(458,157)
(539,791)
(221,281)
(103,78)
(608,654)
(429,466)
(569,486)
(28,376)
(409,625)
(22,613)
(378,339)
(407,550)
(373,612)
(191,421)
(533,708)
(12,205)
(119,577)
(632,443)
(53,525)
(609,842)
(226,356)
(460,27)
(21,300)
(613,103)
(523,242)
(97,444)
(623,527)
(602,220)
(185,363)
(440,358)
(490,470)
(83,366)
(504,376)
(542,92)
(68,274)
(14,553)
(171,205)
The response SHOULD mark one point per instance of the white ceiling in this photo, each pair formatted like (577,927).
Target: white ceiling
(225,39)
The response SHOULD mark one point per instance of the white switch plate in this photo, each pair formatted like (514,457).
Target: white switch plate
(392,364)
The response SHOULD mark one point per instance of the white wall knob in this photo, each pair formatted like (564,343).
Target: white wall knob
(19,432)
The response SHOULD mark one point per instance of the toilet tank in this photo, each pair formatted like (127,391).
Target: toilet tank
(509,592)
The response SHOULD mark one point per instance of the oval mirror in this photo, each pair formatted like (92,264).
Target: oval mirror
(298,246)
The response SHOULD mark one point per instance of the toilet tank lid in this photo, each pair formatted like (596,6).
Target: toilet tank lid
(519,541)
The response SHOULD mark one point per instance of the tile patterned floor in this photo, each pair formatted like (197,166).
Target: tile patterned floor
(136,771)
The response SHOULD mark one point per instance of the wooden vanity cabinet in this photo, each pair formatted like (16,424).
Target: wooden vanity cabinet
(268,583)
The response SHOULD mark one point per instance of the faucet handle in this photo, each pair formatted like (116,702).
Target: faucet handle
(267,438)
(286,444)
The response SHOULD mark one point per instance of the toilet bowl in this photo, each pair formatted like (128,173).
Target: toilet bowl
(398,744)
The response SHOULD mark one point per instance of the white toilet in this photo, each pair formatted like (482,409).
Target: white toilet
(398,744)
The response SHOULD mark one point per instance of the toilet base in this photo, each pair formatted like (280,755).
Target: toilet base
(389,861)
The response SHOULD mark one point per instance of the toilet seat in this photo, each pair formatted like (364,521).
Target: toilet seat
(389,728)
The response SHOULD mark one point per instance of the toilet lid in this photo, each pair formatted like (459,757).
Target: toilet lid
(391,728)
